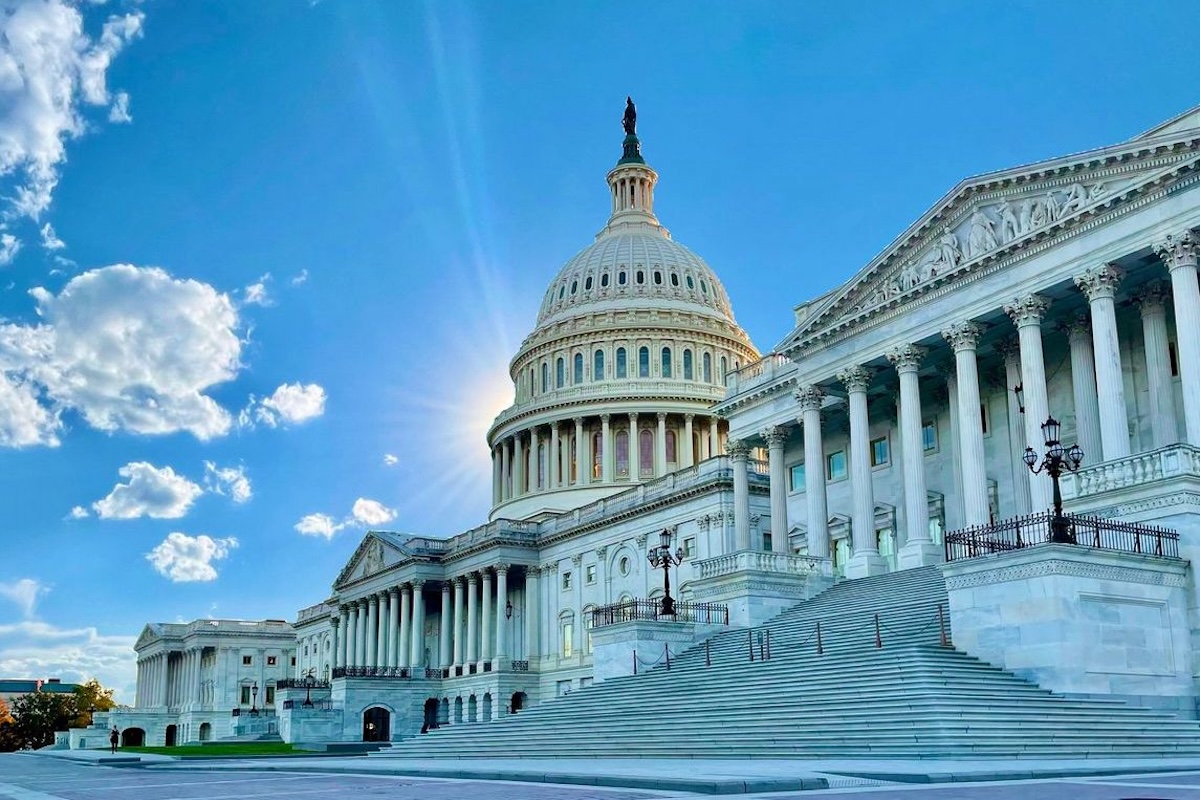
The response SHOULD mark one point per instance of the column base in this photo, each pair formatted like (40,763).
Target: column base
(920,554)
(864,565)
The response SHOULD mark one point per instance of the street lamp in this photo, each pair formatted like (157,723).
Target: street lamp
(661,556)
(254,700)
(309,680)
(1057,459)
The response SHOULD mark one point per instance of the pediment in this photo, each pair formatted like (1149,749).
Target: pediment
(377,553)
(148,636)
(993,216)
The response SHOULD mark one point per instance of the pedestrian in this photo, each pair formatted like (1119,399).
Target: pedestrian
(113,737)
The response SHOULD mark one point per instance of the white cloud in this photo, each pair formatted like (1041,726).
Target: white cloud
(32,649)
(300,277)
(291,403)
(25,593)
(231,480)
(78,512)
(49,69)
(50,239)
(256,293)
(390,460)
(9,247)
(119,112)
(150,492)
(128,348)
(187,559)
(371,512)
(319,525)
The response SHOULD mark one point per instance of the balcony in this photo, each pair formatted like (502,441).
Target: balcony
(630,610)
(1033,530)
(761,561)
(761,372)
(1138,476)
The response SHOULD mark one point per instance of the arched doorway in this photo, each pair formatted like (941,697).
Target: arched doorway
(133,737)
(444,713)
(487,707)
(458,710)
(431,714)
(518,701)
(377,725)
(205,731)
(472,709)
(172,734)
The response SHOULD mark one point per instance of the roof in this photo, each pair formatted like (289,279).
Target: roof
(27,685)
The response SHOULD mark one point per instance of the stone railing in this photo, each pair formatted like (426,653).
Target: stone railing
(644,387)
(320,610)
(759,467)
(761,561)
(1132,471)
(765,369)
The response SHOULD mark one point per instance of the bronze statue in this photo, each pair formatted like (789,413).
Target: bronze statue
(630,121)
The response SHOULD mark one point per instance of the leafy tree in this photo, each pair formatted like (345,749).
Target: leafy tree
(8,736)
(38,715)
(91,696)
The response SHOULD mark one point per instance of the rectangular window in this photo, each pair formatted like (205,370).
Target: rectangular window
(797,477)
(929,438)
(566,581)
(766,541)
(568,634)
(835,465)
(984,420)
(271,661)
(880,452)
(689,547)
(294,658)
(270,695)
(247,661)
(589,574)
(245,696)
(1173,355)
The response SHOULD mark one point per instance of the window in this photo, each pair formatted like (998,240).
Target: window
(574,287)
(687,365)
(640,278)
(604,280)
(587,285)
(708,367)
(562,291)
(666,362)
(577,372)
(560,373)
(623,454)
(835,465)
(568,633)
(294,658)
(245,698)
(691,284)
(1173,355)
(657,278)
(984,419)
(532,386)
(598,366)
(623,565)
(621,278)
(541,466)
(797,477)
(622,367)
(724,368)
(247,660)
(689,547)
(671,448)
(929,439)
(646,452)
(588,622)
(566,581)
(675,279)
(597,455)
(589,574)
(271,661)
(270,695)
(545,377)
(880,451)
(766,541)
(885,541)
(305,649)
(644,362)
(704,286)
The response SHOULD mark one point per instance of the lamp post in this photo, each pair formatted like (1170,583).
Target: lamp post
(309,680)
(661,556)
(1057,459)
(254,700)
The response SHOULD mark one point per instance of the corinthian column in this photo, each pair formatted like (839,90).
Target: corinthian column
(810,398)
(963,337)
(501,620)
(1011,350)
(582,463)
(505,470)
(1151,300)
(660,446)
(689,453)
(1100,285)
(1026,314)
(472,618)
(535,461)
(393,636)
(445,638)
(554,461)
(738,453)
(372,621)
(485,632)
(606,449)
(1179,254)
(918,550)
(458,622)
(866,559)
(417,657)
(519,462)
(776,439)
(532,602)
(405,624)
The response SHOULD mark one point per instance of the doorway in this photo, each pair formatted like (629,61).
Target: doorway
(518,701)
(172,734)
(133,737)
(377,725)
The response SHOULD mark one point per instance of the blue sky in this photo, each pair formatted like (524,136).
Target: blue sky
(289,239)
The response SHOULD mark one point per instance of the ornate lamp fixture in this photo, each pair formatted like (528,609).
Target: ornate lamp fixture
(309,680)
(508,609)
(1019,391)
(1057,459)
(254,700)
(661,556)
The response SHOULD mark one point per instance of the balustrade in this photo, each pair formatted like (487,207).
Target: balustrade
(761,561)
(1139,469)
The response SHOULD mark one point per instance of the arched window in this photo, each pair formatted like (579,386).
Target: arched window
(675,279)
(708,367)
(574,287)
(666,362)
(545,377)
(604,280)
(621,278)
(671,457)
(587,284)
(641,276)
(598,366)
(691,284)
(532,386)
(657,278)
(541,466)
(577,372)
(560,373)
(646,452)
(622,367)
(622,454)
(644,362)
(597,455)
(688,374)
(724,368)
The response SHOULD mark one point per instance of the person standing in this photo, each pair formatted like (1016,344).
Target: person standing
(113,738)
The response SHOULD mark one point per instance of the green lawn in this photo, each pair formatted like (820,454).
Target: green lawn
(229,750)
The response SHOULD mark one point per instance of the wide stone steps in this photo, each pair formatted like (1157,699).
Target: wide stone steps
(912,697)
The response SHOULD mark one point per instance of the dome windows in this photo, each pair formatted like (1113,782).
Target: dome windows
(704,286)
(666,362)
(622,364)
(688,373)
(644,362)
(598,366)
(587,285)
(560,373)
(545,377)
(574,287)
(640,278)
(562,291)
(675,279)
(724,368)
(577,371)
(604,281)
(657,278)
(621,280)
(708,368)
(691,284)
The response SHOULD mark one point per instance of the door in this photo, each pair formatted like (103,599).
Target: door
(377,725)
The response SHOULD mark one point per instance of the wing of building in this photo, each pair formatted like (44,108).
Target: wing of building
(887,430)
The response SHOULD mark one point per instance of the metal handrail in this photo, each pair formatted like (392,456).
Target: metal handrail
(630,610)
(1017,533)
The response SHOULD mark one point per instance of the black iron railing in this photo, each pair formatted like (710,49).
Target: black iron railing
(301,683)
(403,673)
(437,673)
(519,666)
(313,705)
(703,613)
(1093,532)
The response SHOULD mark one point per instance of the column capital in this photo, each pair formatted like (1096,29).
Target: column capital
(1099,282)
(472,578)
(737,449)
(907,358)
(459,580)
(502,568)
(633,415)
(1027,310)
(605,418)
(601,552)
(418,585)
(335,621)
(855,379)
(662,416)
(775,436)
(532,570)
(1077,327)
(809,398)
(963,335)
(550,567)
(393,592)
(577,559)
(1152,298)
(688,417)
(373,600)
(578,421)
(1010,348)
(1179,250)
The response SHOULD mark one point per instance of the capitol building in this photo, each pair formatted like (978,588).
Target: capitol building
(883,436)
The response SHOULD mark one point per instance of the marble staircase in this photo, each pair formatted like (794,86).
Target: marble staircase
(878,681)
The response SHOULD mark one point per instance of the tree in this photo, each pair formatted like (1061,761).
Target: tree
(38,715)
(8,736)
(91,696)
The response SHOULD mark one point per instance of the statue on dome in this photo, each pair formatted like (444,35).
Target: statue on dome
(630,121)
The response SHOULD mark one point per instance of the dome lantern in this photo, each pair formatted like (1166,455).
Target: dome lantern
(631,185)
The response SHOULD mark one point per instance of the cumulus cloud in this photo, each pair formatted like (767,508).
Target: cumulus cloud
(78,512)
(364,513)
(149,492)
(25,593)
(188,559)
(9,247)
(33,649)
(319,525)
(291,403)
(127,348)
(50,69)
(390,460)
(256,293)
(50,240)
(228,480)
(371,512)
